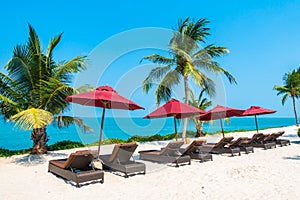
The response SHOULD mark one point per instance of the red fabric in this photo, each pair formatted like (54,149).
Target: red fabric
(175,108)
(256,110)
(104,97)
(220,112)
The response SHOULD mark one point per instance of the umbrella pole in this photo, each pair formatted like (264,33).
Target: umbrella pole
(222,127)
(101,130)
(256,123)
(175,126)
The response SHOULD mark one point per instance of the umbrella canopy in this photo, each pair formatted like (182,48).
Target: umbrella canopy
(256,110)
(176,109)
(106,98)
(220,112)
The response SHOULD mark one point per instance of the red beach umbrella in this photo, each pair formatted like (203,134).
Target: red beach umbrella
(220,112)
(106,98)
(176,109)
(256,110)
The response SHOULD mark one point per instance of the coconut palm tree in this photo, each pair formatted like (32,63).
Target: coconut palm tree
(202,103)
(187,61)
(291,88)
(33,92)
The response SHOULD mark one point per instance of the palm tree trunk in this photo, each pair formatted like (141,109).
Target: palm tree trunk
(295,111)
(186,90)
(40,139)
(199,129)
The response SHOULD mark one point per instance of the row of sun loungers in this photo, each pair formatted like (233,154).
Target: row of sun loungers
(79,168)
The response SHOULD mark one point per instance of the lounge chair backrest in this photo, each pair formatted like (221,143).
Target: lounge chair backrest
(273,136)
(223,142)
(122,152)
(193,146)
(238,141)
(172,149)
(256,137)
(79,161)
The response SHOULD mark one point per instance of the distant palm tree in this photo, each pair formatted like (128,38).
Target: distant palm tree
(186,61)
(202,103)
(291,88)
(33,92)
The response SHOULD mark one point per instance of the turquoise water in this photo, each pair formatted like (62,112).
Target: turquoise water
(12,138)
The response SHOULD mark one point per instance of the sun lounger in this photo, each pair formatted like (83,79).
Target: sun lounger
(193,150)
(281,142)
(120,160)
(168,154)
(76,168)
(221,147)
(240,142)
(264,141)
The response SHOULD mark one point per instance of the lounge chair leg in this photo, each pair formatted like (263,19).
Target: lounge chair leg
(126,175)
(177,164)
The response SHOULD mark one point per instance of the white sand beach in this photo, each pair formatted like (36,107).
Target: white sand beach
(265,174)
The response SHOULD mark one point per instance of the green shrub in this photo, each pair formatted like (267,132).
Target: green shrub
(6,152)
(137,138)
(66,144)
(170,136)
(112,141)
(299,132)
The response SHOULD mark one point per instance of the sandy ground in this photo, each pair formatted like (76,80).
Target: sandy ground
(265,174)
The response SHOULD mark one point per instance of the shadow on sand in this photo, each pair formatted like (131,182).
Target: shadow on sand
(33,159)
(292,158)
(295,142)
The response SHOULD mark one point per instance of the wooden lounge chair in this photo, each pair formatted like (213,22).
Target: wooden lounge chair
(264,141)
(241,142)
(221,147)
(281,142)
(120,160)
(193,150)
(76,168)
(168,154)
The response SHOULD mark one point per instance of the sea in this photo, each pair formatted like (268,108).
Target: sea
(13,138)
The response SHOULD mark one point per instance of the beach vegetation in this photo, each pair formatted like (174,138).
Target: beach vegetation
(188,61)
(33,92)
(202,103)
(66,144)
(291,88)
(298,132)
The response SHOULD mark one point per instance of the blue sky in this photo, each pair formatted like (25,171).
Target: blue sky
(263,38)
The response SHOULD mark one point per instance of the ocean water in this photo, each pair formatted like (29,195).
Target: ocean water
(14,139)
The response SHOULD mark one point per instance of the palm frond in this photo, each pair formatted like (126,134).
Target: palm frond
(84,88)
(163,91)
(281,89)
(64,70)
(216,51)
(66,121)
(34,42)
(284,98)
(54,95)
(154,76)
(200,79)
(32,118)
(53,43)
(198,30)
(158,59)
